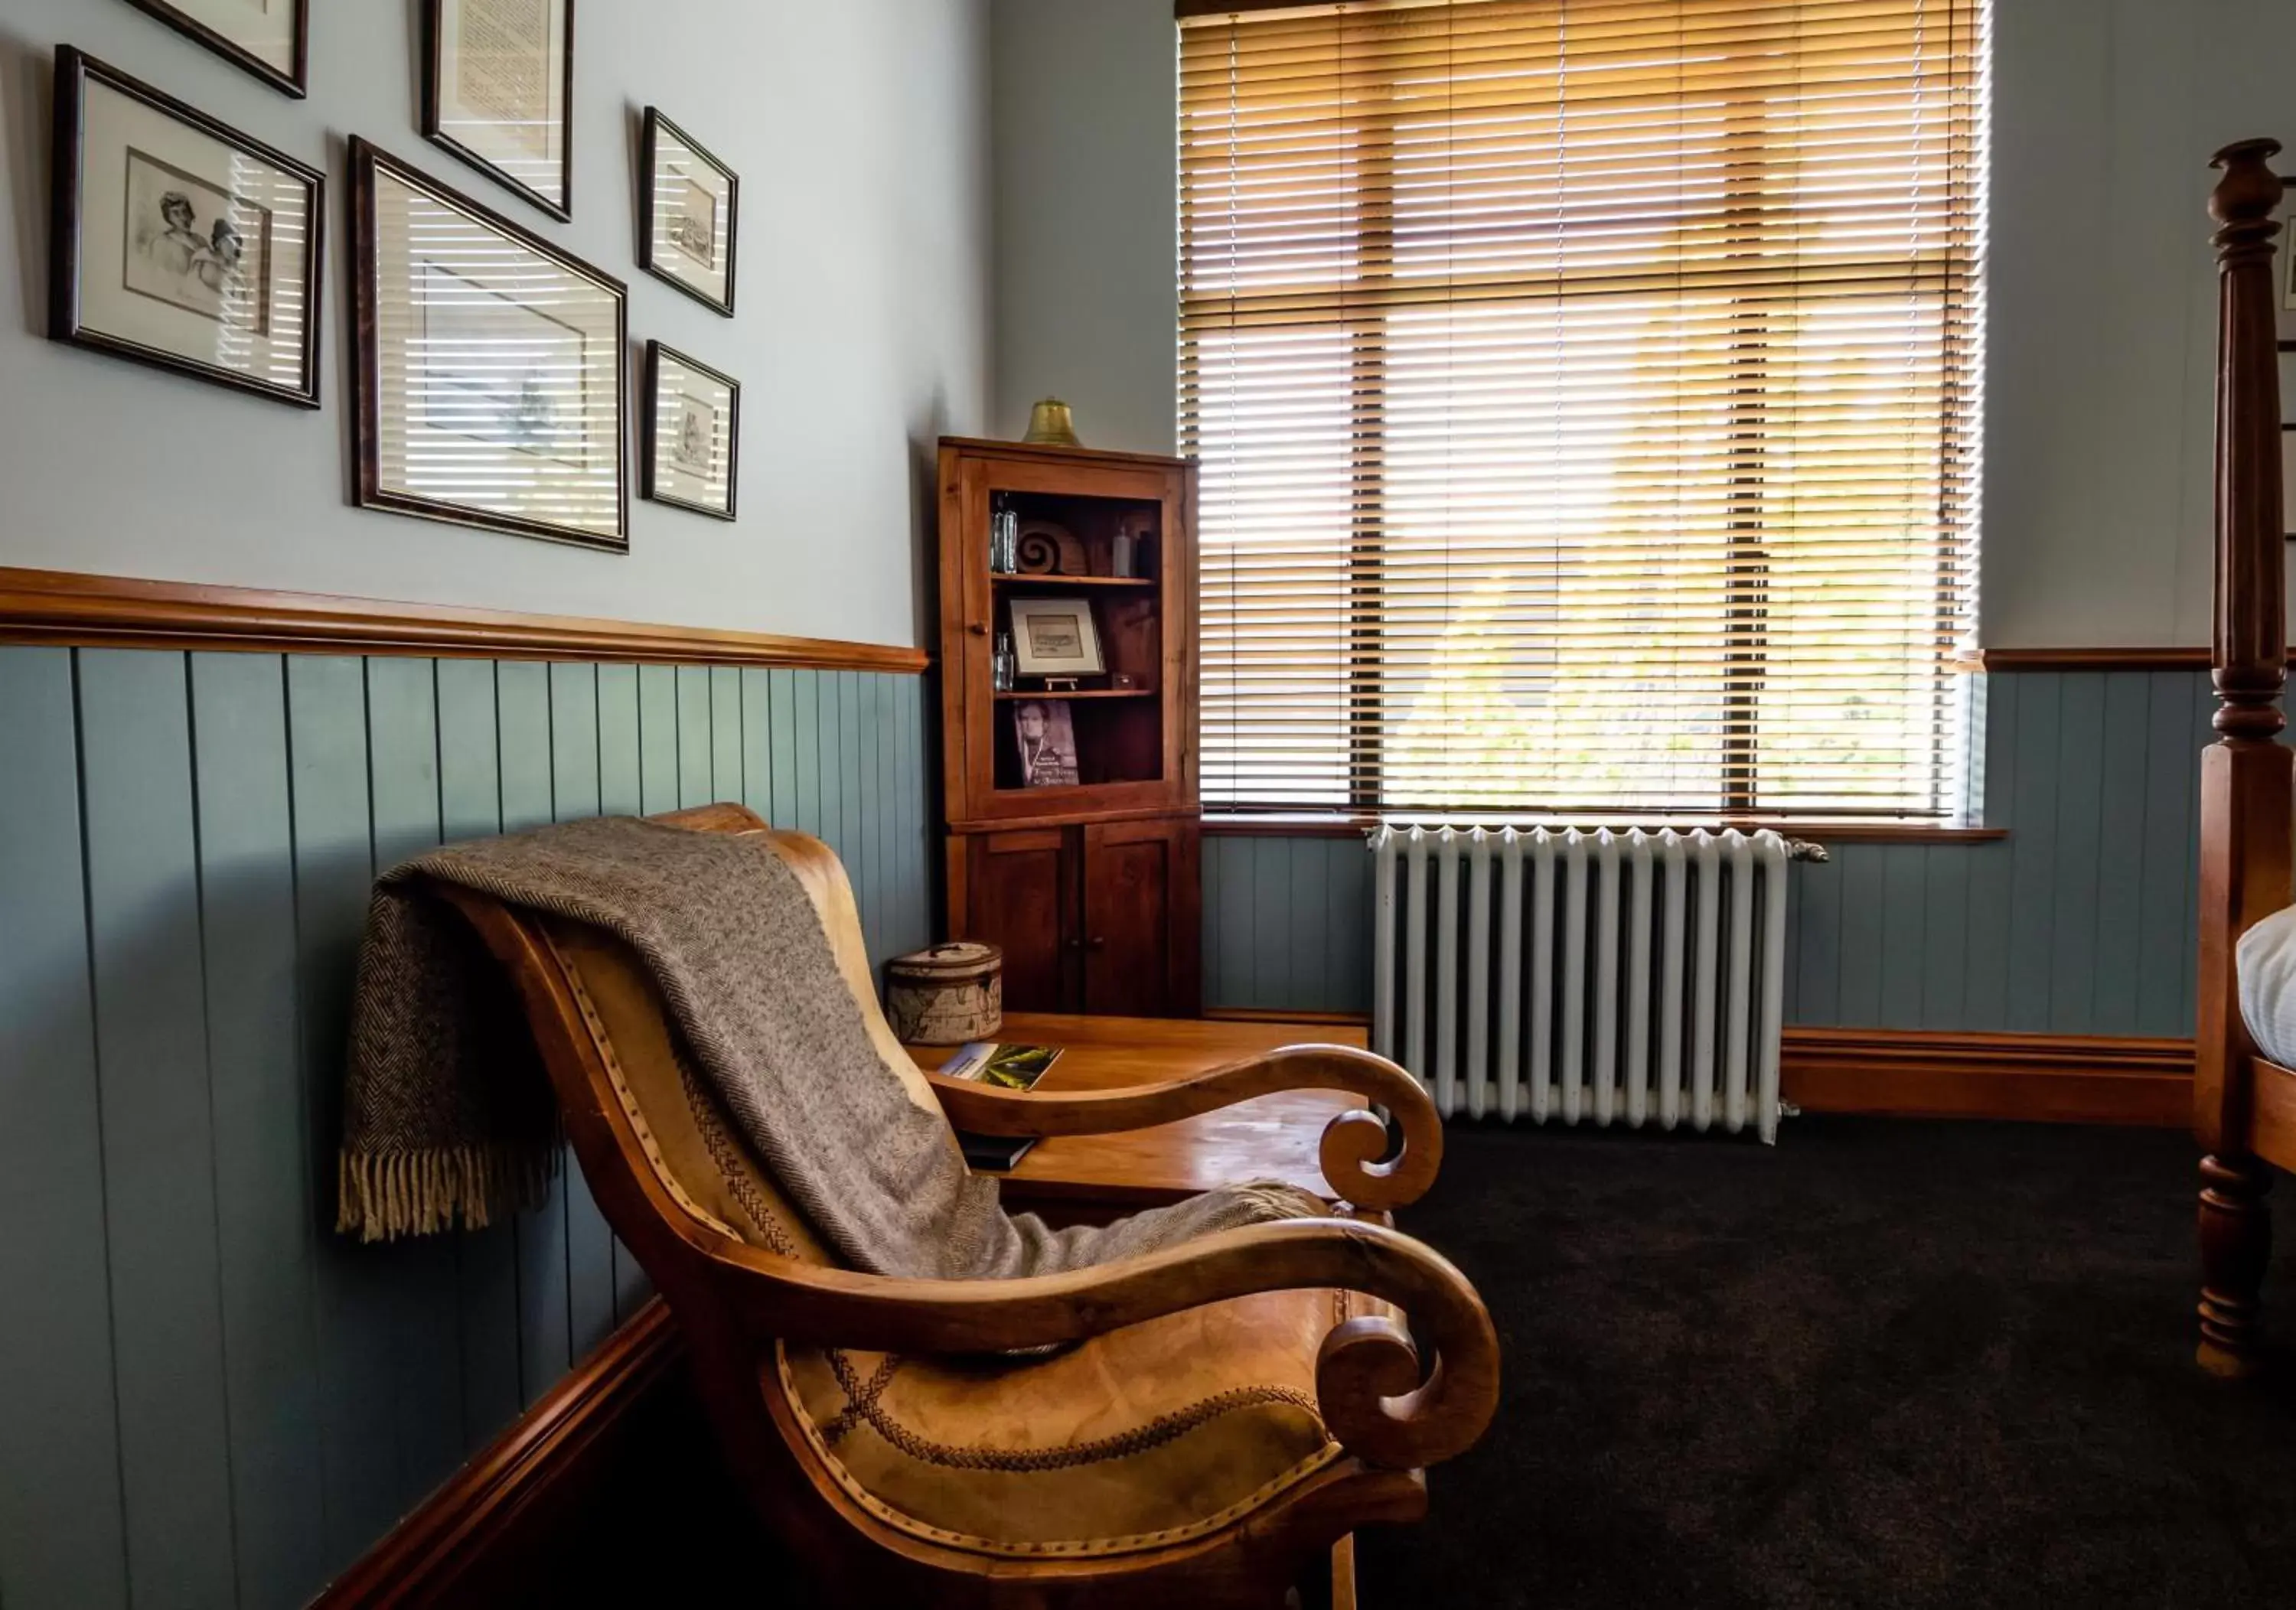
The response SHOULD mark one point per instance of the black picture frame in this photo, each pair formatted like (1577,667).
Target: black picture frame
(368,492)
(655,352)
(649,149)
(434,129)
(75,69)
(295,82)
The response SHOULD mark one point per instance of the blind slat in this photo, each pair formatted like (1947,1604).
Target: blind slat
(1588,398)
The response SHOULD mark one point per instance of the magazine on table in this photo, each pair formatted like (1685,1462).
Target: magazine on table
(1008,1067)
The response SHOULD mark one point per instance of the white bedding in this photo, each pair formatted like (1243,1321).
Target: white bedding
(2266,965)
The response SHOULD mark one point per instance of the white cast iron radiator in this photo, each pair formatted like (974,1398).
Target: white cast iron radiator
(1605,977)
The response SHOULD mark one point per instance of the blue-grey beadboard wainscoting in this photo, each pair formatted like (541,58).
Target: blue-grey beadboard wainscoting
(210,1398)
(2081,922)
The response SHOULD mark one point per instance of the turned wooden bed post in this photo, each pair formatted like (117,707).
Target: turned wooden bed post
(2245,773)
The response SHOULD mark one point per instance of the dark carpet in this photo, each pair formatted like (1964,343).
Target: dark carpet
(1888,1362)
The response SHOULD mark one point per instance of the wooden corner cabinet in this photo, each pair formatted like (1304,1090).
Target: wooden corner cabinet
(1069,780)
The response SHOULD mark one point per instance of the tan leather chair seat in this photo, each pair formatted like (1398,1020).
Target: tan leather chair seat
(1138,1439)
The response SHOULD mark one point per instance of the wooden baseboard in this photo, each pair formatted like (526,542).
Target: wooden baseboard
(1938,1074)
(2048,1078)
(499,1520)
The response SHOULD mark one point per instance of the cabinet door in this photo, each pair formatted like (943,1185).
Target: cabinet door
(1018,887)
(1142,912)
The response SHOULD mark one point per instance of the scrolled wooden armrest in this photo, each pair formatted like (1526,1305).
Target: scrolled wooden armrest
(1353,1142)
(1369,1383)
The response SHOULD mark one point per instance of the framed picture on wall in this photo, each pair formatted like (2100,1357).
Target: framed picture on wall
(693,433)
(270,38)
(498,92)
(179,241)
(688,211)
(489,374)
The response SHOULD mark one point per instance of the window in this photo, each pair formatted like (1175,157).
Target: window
(1587,397)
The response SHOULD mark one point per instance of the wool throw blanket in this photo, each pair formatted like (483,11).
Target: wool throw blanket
(443,1120)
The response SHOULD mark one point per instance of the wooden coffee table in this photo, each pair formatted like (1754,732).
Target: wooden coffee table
(1269,1137)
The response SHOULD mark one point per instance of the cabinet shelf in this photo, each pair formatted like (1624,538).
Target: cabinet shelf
(1024,694)
(1003,578)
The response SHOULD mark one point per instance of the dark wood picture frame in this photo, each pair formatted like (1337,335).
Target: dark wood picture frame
(434,131)
(66,321)
(649,149)
(366,369)
(295,82)
(655,352)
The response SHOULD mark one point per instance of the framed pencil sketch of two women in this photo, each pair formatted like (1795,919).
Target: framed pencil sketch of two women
(180,242)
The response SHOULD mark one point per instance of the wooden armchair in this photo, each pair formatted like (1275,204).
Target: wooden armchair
(1238,1405)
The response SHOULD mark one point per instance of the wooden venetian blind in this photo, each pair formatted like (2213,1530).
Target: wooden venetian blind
(1588,395)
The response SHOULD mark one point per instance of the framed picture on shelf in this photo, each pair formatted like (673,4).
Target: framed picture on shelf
(179,241)
(489,374)
(498,92)
(690,204)
(270,38)
(1054,637)
(1046,738)
(694,433)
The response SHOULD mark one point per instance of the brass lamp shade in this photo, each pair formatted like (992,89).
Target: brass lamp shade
(1050,425)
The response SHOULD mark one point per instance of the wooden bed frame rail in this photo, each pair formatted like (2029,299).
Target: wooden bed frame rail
(2245,774)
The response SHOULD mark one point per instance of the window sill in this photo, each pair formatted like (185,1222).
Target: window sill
(1820,832)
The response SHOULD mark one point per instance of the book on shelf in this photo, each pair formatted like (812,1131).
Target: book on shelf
(1008,1067)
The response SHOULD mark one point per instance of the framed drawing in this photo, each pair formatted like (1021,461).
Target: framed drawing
(180,242)
(693,433)
(489,374)
(498,92)
(270,38)
(686,214)
(1054,637)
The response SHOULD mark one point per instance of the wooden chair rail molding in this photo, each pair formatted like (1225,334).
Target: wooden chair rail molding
(2096,659)
(57,607)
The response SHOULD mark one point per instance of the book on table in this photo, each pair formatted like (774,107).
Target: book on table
(1009,1066)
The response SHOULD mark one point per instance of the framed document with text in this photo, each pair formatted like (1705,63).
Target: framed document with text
(270,38)
(498,92)
(489,367)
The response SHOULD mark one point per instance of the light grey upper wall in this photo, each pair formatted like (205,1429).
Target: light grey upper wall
(1083,93)
(2100,335)
(861,136)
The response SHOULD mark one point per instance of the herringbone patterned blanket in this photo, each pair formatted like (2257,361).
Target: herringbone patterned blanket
(446,1116)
